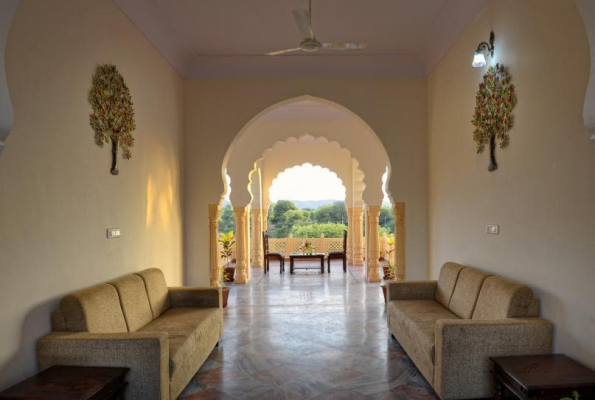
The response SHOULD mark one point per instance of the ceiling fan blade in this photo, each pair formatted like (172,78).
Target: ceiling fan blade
(344,46)
(279,52)
(304,23)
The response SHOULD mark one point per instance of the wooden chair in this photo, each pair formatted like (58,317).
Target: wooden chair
(339,255)
(271,256)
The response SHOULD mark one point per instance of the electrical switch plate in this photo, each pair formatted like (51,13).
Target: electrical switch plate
(493,229)
(114,233)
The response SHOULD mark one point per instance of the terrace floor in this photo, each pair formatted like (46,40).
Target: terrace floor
(307,336)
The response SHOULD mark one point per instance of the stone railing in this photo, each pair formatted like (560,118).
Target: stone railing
(322,245)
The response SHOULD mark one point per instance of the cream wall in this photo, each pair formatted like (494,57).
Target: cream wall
(543,195)
(217,109)
(57,196)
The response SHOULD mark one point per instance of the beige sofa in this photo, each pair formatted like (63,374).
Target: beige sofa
(450,327)
(162,334)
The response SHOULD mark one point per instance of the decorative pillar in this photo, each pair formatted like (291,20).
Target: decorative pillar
(358,236)
(214,211)
(399,253)
(265,215)
(256,238)
(241,250)
(372,246)
(247,242)
(350,236)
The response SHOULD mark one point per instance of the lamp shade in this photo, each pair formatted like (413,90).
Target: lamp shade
(479,59)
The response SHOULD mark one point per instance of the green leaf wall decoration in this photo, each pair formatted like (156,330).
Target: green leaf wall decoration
(113,116)
(494,102)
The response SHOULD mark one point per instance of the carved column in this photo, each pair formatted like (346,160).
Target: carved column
(372,246)
(214,211)
(399,253)
(358,236)
(350,236)
(256,238)
(265,215)
(247,242)
(241,250)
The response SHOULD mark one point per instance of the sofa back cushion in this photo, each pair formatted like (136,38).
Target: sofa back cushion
(467,289)
(446,282)
(157,290)
(95,309)
(503,298)
(134,301)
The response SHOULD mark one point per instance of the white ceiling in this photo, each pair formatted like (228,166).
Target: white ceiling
(230,37)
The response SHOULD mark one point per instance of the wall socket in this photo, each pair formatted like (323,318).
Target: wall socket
(114,233)
(493,229)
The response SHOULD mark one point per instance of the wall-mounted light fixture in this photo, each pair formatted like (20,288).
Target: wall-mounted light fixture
(483,49)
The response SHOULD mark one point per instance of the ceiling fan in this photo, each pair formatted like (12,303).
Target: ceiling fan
(303,18)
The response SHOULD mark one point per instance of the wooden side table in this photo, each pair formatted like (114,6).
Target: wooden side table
(71,383)
(546,377)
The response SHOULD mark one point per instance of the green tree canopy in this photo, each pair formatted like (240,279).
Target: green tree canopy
(329,229)
(387,219)
(292,219)
(227,220)
(336,213)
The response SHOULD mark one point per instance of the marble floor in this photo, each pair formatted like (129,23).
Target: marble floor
(307,336)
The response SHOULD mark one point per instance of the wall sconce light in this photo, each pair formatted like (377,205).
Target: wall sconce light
(483,49)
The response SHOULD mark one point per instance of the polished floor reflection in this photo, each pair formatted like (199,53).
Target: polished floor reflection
(307,336)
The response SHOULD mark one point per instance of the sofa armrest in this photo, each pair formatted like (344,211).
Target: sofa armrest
(414,290)
(145,353)
(463,347)
(199,297)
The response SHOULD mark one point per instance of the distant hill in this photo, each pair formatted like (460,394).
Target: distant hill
(301,204)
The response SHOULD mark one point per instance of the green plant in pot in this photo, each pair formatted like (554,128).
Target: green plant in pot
(389,268)
(227,240)
(226,272)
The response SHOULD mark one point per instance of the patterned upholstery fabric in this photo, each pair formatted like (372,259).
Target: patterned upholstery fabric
(95,309)
(503,298)
(446,282)
(134,301)
(156,290)
(466,291)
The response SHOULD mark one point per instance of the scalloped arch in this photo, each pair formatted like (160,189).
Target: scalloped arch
(7,12)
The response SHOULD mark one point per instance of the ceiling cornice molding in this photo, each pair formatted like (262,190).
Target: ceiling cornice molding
(587,11)
(305,65)
(8,9)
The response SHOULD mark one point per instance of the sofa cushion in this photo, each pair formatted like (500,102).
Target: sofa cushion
(96,309)
(502,298)
(467,289)
(417,320)
(134,301)
(447,281)
(186,327)
(156,290)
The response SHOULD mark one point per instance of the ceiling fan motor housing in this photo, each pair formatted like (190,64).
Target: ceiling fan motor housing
(310,45)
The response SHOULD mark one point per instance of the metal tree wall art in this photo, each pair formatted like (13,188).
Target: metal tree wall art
(493,117)
(113,115)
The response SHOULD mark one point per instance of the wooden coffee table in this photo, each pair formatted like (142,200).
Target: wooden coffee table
(554,376)
(71,383)
(302,256)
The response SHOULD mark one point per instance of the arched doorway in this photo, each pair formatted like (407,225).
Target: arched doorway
(301,127)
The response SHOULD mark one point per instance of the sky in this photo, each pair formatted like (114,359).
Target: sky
(308,182)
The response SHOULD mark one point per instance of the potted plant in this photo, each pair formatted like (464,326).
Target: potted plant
(227,241)
(226,272)
(389,268)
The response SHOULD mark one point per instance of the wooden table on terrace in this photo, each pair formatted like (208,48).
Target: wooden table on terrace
(303,256)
